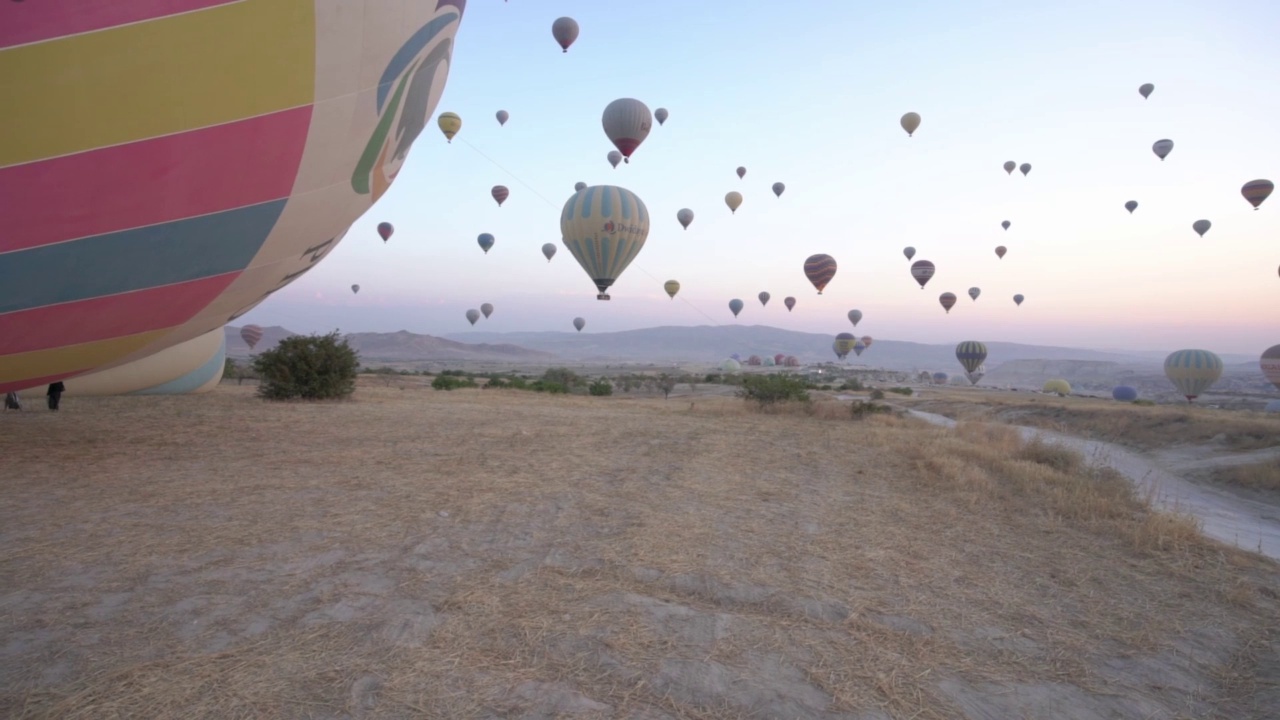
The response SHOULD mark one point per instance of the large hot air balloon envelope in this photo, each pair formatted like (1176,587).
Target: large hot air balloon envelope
(485,240)
(910,122)
(790,302)
(500,193)
(661,115)
(843,343)
(1131,206)
(503,116)
(975,292)
(855,317)
(1162,148)
(1010,166)
(1256,191)
(487,310)
(1017,299)
(1201,227)
(947,300)
(972,354)
(1025,168)
(1057,386)
(449,124)
(922,271)
(778,188)
(820,269)
(735,306)
(1270,364)
(626,122)
(1145,89)
(579,323)
(174,163)
(1124,393)
(251,335)
(764,298)
(473,315)
(605,227)
(549,250)
(614,157)
(733,199)
(385,231)
(909,251)
(1192,371)
(565,31)
(684,216)
(1000,251)
(672,287)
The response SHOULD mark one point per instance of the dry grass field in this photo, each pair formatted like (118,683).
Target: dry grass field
(481,554)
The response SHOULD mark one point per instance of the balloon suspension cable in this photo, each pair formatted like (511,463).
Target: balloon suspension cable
(554,207)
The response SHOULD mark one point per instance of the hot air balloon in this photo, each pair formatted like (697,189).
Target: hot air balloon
(1131,206)
(855,317)
(1025,168)
(579,323)
(972,354)
(660,115)
(614,157)
(565,31)
(355,289)
(1201,227)
(820,269)
(866,340)
(858,347)
(948,301)
(940,378)
(1017,299)
(910,122)
(922,270)
(1256,191)
(626,123)
(605,227)
(578,186)
(975,292)
(473,315)
(769,362)
(754,360)
(1000,251)
(778,188)
(1124,393)
(183,104)
(843,343)
(672,287)
(1162,148)
(487,309)
(1010,166)
(1145,89)
(385,231)
(486,241)
(252,334)
(735,306)
(1005,224)
(1057,386)
(779,359)
(734,200)
(764,298)
(500,193)
(503,116)
(684,216)
(549,250)
(1192,371)
(790,302)
(450,124)
(909,251)
(730,365)
(742,172)
(1270,364)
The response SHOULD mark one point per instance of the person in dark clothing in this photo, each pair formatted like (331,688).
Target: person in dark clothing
(12,402)
(55,394)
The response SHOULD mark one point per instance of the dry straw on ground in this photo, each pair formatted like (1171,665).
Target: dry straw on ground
(474,553)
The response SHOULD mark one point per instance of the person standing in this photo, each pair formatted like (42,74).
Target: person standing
(55,394)
(12,401)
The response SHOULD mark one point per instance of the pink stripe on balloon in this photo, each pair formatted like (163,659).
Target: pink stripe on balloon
(108,317)
(152,181)
(28,21)
(28,383)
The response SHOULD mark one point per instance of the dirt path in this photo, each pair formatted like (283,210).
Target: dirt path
(1227,517)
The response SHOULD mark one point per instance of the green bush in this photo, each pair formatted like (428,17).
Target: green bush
(546,386)
(496,383)
(852,384)
(770,389)
(562,376)
(713,378)
(1143,401)
(600,388)
(902,390)
(452,382)
(877,394)
(859,409)
(311,367)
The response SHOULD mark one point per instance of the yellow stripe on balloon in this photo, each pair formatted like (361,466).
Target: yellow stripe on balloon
(56,361)
(159,77)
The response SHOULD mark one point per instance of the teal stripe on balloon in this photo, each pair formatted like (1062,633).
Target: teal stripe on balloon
(194,379)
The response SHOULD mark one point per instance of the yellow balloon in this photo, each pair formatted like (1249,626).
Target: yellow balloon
(733,200)
(449,124)
(605,227)
(672,287)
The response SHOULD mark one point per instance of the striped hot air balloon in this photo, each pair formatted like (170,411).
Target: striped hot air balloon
(972,356)
(843,344)
(820,269)
(1256,191)
(251,334)
(605,227)
(1192,371)
(1270,365)
(671,287)
(174,163)
(500,193)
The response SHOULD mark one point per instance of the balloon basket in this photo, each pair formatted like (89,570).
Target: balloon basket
(602,296)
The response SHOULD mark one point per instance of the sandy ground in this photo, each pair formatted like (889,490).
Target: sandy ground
(485,554)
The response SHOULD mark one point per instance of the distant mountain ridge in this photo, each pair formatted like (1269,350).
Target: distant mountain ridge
(402,346)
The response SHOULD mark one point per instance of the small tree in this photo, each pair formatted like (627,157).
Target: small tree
(666,384)
(311,367)
(230,369)
(769,389)
(600,387)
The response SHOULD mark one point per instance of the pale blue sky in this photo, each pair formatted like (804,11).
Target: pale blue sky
(809,93)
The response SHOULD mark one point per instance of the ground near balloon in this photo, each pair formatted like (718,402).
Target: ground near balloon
(481,553)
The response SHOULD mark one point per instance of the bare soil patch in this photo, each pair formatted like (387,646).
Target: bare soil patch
(481,553)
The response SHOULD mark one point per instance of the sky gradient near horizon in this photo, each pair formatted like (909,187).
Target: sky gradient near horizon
(811,97)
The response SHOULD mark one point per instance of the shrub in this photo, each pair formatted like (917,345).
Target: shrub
(452,382)
(902,390)
(1143,401)
(859,409)
(562,376)
(600,388)
(495,383)
(311,367)
(666,384)
(852,384)
(877,394)
(712,378)
(770,389)
(546,386)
